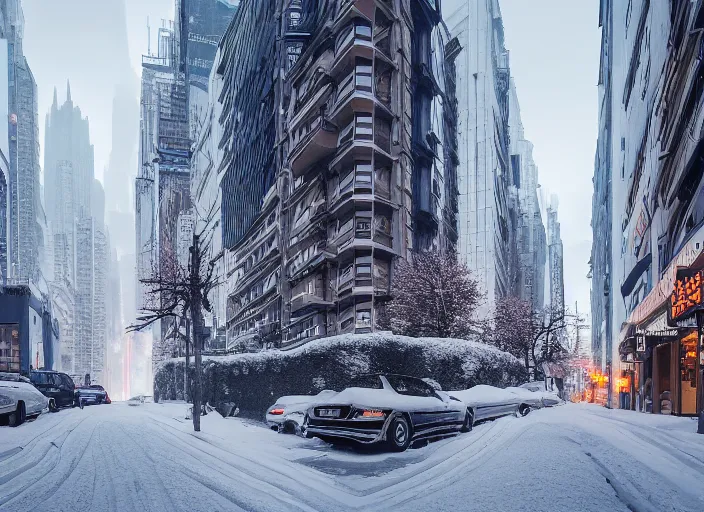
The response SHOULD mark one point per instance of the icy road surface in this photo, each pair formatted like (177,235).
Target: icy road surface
(570,458)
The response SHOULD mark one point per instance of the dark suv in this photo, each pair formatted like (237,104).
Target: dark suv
(56,385)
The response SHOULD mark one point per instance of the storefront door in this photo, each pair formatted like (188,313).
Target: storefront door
(688,375)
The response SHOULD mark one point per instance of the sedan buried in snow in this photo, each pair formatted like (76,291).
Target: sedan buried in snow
(19,400)
(392,409)
(287,414)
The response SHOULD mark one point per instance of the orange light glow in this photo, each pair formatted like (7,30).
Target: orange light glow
(373,414)
(277,412)
(691,354)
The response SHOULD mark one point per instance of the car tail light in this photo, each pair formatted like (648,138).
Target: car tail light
(372,413)
(276,412)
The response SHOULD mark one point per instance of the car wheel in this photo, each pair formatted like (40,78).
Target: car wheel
(523,410)
(398,434)
(19,416)
(468,422)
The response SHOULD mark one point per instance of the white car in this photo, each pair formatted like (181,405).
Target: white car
(548,398)
(136,400)
(287,414)
(489,402)
(19,399)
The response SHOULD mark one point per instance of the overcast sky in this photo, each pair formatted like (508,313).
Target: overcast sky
(554,48)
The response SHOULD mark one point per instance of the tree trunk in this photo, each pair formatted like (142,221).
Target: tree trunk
(198,391)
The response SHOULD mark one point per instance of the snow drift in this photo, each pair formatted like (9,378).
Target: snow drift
(254,381)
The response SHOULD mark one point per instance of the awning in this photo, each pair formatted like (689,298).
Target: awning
(634,276)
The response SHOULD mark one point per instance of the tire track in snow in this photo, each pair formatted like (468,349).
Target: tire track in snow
(458,471)
(252,474)
(272,474)
(46,493)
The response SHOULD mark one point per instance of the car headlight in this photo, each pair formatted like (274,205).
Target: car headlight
(6,400)
(370,413)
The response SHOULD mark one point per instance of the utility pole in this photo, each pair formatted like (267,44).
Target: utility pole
(196,301)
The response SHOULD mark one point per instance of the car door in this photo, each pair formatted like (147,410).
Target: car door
(67,387)
(429,409)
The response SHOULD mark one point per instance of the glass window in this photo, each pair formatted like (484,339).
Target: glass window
(10,347)
(364,318)
(410,386)
(367,381)
(363,30)
(364,127)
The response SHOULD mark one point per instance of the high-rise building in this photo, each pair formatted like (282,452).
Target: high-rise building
(24,238)
(530,231)
(328,171)
(487,209)
(80,243)
(648,208)
(555,258)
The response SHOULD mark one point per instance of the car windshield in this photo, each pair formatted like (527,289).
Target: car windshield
(366,381)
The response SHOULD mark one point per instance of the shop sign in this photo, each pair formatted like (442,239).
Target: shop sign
(660,293)
(686,295)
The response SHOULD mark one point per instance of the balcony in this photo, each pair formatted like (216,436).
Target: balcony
(308,301)
(363,135)
(361,91)
(364,232)
(355,40)
(312,141)
(351,9)
(360,183)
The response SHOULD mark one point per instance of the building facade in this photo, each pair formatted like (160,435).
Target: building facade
(79,243)
(334,148)
(651,128)
(555,258)
(531,242)
(488,206)
(24,239)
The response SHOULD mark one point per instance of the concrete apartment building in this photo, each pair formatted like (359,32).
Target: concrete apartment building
(336,153)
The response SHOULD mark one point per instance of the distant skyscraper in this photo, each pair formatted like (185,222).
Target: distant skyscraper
(555,262)
(531,243)
(76,217)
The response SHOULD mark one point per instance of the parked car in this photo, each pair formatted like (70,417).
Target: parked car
(392,409)
(548,397)
(528,397)
(489,402)
(93,394)
(19,399)
(56,385)
(288,413)
(136,400)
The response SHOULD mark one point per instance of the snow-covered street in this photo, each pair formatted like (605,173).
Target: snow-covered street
(573,457)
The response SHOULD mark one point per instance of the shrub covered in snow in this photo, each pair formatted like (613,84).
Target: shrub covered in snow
(254,381)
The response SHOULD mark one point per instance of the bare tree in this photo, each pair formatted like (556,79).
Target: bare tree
(511,328)
(173,291)
(433,295)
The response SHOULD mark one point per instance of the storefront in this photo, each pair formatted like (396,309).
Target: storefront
(686,313)
(658,368)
